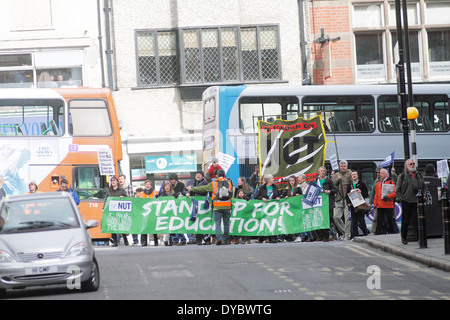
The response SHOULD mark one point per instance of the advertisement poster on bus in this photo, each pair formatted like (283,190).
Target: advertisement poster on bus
(291,147)
(15,158)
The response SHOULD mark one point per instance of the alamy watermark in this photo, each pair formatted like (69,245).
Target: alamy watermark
(374,280)
(74,281)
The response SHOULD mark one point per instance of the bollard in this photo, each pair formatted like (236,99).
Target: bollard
(421,221)
(445,222)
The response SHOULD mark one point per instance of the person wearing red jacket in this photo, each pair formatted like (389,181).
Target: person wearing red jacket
(212,171)
(384,203)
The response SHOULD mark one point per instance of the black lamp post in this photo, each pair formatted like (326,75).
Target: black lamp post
(401,85)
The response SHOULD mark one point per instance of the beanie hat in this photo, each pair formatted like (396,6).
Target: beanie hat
(201,172)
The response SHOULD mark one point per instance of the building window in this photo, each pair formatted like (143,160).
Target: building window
(414,52)
(370,56)
(369,46)
(375,37)
(209,55)
(437,12)
(439,52)
(367,16)
(42,69)
(157,58)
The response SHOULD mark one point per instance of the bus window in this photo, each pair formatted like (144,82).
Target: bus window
(388,114)
(252,109)
(441,116)
(210,110)
(89,117)
(88,183)
(433,113)
(341,113)
(34,117)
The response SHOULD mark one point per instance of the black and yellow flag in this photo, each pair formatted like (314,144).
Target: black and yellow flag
(291,147)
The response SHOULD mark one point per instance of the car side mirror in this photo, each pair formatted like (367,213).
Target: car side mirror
(91,224)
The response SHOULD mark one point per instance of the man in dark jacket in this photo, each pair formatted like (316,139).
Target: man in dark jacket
(198,181)
(408,184)
(178,186)
(341,181)
(329,188)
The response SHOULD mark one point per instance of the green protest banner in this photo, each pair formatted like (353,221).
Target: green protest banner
(248,218)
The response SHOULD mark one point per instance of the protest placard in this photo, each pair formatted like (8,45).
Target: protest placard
(106,162)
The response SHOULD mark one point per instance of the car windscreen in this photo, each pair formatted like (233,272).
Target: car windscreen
(37,215)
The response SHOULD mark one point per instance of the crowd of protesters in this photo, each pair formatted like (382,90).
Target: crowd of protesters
(345,220)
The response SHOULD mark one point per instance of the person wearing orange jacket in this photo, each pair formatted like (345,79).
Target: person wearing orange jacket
(221,207)
(384,203)
(147,192)
(33,187)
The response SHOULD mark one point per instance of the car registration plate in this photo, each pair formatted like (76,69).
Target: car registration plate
(40,270)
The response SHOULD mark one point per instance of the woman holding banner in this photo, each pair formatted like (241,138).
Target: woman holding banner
(242,196)
(149,193)
(243,185)
(268,191)
(329,188)
(291,190)
(357,215)
(115,190)
(167,191)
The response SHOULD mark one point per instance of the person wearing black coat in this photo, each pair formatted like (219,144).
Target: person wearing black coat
(178,190)
(269,190)
(329,188)
(357,216)
(243,185)
(291,190)
(266,192)
(198,181)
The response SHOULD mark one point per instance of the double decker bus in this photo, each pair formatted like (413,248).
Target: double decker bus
(47,135)
(363,120)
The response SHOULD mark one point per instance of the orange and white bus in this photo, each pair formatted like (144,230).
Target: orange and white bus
(47,135)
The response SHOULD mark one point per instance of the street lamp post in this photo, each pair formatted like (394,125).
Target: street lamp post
(401,86)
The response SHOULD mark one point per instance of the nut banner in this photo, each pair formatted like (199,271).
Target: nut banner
(181,215)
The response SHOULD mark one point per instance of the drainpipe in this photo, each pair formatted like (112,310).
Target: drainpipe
(100,43)
(109,52)
(306,79)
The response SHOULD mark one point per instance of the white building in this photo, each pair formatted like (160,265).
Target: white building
(167,52)
(51,37)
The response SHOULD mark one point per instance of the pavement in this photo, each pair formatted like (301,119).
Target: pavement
(432,256)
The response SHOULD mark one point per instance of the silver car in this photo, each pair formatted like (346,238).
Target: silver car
(44,241)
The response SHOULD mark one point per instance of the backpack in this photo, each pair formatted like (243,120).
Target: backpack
(223,190)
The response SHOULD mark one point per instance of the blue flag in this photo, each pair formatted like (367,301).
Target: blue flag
(194,210)
(161,190)
(206,204)
(388,161)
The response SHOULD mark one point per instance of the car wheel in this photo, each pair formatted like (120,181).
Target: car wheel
(93,283)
